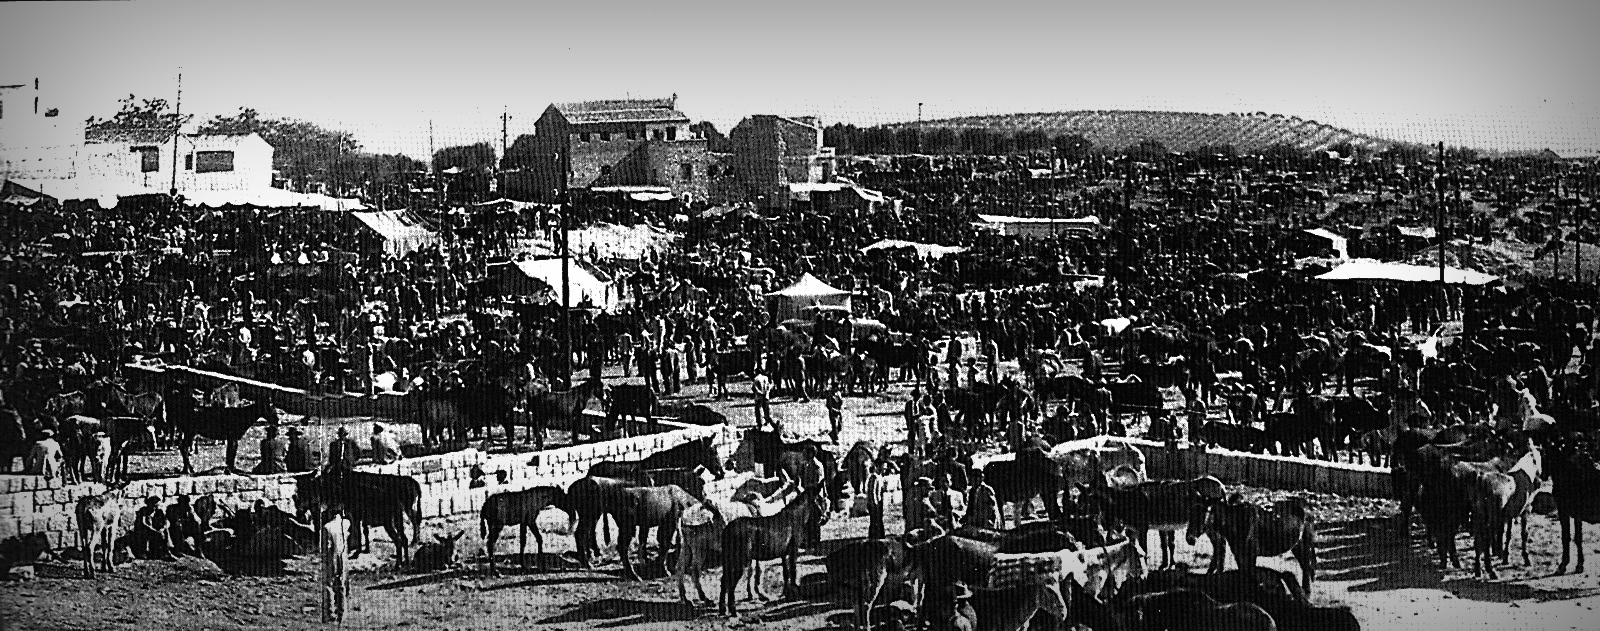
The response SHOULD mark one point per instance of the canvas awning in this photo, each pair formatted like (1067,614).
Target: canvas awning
(270,198)
(545,275)
(1405,273)
(924,250)
(402,231)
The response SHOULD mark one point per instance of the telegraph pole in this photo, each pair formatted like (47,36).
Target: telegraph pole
(1438,199)
(505,118)
(177,128)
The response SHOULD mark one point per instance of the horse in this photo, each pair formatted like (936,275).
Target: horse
(643,508)
(226,424)
(691,454)
(631,401)
(566,407)
(1029,474)
(590,499)
(1253,531)
(767,448)
(1160,505)
(766,538)
(521,509)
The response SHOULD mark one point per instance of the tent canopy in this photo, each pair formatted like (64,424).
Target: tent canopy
(1404,273)
(790,302)
(270,198)
(402,231)
(1038,226)
(924,250)
(543,277)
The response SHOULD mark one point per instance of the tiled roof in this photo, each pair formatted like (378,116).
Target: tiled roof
(621,110)
(149,135)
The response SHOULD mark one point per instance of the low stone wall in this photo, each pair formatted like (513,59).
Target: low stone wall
(1287,473)
(33,504)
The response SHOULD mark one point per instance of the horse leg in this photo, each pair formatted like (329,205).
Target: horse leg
(1219,553)
(184,445)
(791,574)
(1169,547)
(625,532)
(1577,542)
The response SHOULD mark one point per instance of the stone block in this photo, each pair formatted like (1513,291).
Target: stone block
(10,527)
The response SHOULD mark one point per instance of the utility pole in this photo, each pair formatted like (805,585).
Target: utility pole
(505,117)
(1438,199)
(177,128)
(919,127)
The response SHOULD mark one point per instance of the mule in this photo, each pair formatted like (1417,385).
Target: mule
(766,538)
(694,453)
(643,508)
(631,401)
(549,408)
(865,568)
(1162,505)
(521,509)
(1252,532)
(227,424)
(1028,475)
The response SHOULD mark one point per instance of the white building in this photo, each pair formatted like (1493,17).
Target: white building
(35,140)
(144,159)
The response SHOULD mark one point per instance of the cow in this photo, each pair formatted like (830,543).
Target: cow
(521,509)
(99,517)
(369,499)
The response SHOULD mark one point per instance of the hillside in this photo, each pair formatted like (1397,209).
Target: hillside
(1178,131)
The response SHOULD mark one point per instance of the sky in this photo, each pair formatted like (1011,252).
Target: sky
(1492,75)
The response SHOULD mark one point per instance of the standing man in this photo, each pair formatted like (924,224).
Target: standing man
(343,451)
(335,568)
(45,458)
(625,352)
(835,415)
(274,453)
(298,458)
(983,506)
(761,389)
(953,360)
(991,358)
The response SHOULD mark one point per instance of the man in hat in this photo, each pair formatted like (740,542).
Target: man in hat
(385,448)
(983,506)
(274,452)
(761,388)
(183,528)
(298,458)
(45,459)
(149,536)
(961,616)
(343,451)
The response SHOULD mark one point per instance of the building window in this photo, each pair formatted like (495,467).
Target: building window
(686,172)
(656,134)
(583,137)
(149,158)
(605,136)
(672,133)
(633,134)
(188,162)
(605,170)
(711,171)
(213,161)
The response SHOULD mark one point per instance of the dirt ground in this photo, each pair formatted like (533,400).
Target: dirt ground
(1391,582)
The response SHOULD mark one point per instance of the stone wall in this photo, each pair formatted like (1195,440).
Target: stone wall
(32,504)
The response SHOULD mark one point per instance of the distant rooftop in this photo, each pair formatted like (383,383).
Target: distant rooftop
(622,111)
(146,135)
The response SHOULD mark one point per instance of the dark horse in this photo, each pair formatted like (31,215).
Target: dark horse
(561,407)
(214,422)
(769,450)
(631,401)
(370,499)
(1253,531)
(748,539)
(688,455)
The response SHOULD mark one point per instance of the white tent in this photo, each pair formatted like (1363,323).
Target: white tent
(1367,269)
(402,231)
(789,303)
(584,287)
(270,198)
(924,250)
(1038,226)
(1338,244)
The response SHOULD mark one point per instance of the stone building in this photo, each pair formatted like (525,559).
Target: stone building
(771,152)
(619,142)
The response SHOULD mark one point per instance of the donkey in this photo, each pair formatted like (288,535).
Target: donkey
(766,538)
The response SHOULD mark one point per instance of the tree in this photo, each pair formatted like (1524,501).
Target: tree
(302,151)
(1032,140)
(941,140)
(977,140)
(468,158)
(909,139)
(1072,146)
(137,114)
(879,140)
(1407,153)
(843,138)
(1146,151)
(1283,152)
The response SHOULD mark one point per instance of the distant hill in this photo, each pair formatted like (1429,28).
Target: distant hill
(1178,131)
